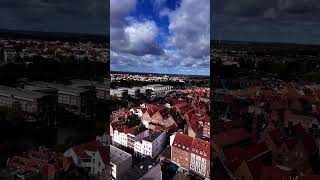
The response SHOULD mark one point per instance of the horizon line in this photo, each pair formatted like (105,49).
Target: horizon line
(122,72)
(274,42)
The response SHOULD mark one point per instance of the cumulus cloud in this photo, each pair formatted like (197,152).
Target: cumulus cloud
(140,38)
(128,34)
(190,28)
(170,63)
(80,16)
(273,20)
(135,42)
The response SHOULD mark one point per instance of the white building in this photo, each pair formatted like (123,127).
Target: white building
(157,89)
(134,92)
(10,55)
(136,133)
(120,162)
(199,164)
(151,145)
(120,138)
(119,93)
(137,111)
(91,156)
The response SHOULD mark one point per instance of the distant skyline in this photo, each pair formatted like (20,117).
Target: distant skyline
(70,16)
(283,21)
(160,36)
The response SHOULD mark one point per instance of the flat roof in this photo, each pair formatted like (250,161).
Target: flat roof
(153,136)
(137,130)
(153,85)
(64,89)
(23,94)
(117,156)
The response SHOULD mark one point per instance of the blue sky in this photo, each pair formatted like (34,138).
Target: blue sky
(160,36)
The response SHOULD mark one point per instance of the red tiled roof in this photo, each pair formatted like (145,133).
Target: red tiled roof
(193,145)
(310,144)
(291,143)
(202,146)
(45,161)
(310,177)
(231,137)
(176,117)
(186,109)
(255,150)
(181,104)
(305,168)
(195,117)
(255,167)
(152,109)
(181,139)
(95,145)
(24,164)
(164,112)
(274,173)
(235,155)
(229,125)
(276,136)
(143,110)
(195,126)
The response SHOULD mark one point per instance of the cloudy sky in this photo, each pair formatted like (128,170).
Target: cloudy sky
(75,16)
(293,21)
(160,36)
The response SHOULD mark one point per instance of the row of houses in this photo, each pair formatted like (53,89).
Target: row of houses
(191,154)
(41,99)
(141,140)
(90,160)
(135,92)
(268,133)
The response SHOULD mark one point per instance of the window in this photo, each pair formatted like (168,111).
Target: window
(86,160)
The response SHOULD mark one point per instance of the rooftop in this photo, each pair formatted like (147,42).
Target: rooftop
(20,93)
(194,145)
(153,136)
(117,156)
(62,88)
(136,130)
(231,137)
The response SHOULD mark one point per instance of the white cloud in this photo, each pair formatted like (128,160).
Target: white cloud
(141,38)
(190,28)
(128,34)
(135,44)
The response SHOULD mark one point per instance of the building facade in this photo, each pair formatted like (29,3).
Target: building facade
(191,154)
